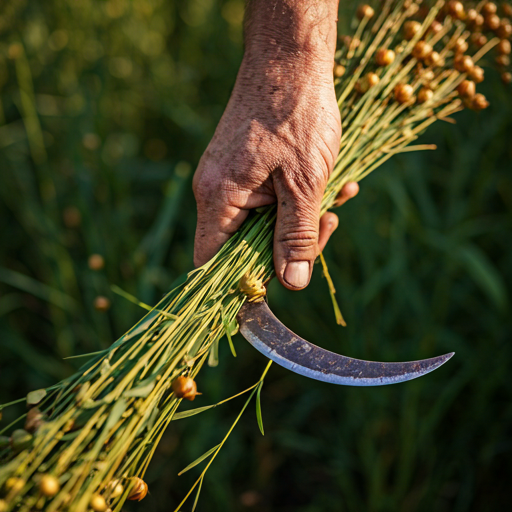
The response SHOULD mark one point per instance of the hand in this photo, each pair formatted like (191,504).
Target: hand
(276,142)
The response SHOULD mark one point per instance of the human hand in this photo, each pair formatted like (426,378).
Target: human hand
(276,142)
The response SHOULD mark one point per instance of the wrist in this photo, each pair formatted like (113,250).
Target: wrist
(301,32)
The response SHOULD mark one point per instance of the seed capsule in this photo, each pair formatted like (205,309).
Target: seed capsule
(456,9)
(403,93)
(492,22)
(435,27)
(479,102)
(21,440)
(434,59)
(367,82)
(96,262)
(421,50)
(503,61)
(461,45)
(411,28)
(466,89)
(116,489)
(384,57)
(477,74)
(34,420)
(463,63)
(101,303)
(139,490)
(489,8)
(49,485)
(339,70)
(98,503)
(14,484)
(506,9)
(506,78)
(504,30)
(365,11)
(425,94)
(185,387)
(350,42)
(471,15)
(503,47)
(3,506)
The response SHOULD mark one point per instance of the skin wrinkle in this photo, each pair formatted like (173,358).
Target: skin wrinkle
(279,135)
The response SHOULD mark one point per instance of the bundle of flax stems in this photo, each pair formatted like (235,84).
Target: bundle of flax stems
(86,442)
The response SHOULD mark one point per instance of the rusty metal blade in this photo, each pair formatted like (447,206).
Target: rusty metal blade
(266,333)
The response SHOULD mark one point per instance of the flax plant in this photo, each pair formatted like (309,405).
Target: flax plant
(88,440)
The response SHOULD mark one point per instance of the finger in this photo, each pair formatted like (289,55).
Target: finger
(216,224)
(328,224)
(297,227)
(348,191)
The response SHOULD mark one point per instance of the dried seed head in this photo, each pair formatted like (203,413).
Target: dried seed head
(367,82)
(489,8)
(463,63)
(427,75)
(436,27)
(98,503)
(506,78)
(96,262)
(403,93)
(503,61)
(49,485)
(14,484)
(21,440)
(339,70)
(456,9)
(365,11)
(34,420)
(477,22)
(411,28)
(421,50)
(116,489)
(506,9)
(478,39)
(434,59)
(503,47)
(460,45)
(466,89)
(425,94)
(139,490)
(505,29)
(185,387)
(492,21)
(471,15)
(384,57)
(477,74)
(479,102)
(101,303)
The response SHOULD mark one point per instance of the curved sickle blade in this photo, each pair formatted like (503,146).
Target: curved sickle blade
(266,333)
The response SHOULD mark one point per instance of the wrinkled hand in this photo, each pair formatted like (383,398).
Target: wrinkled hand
(277,141)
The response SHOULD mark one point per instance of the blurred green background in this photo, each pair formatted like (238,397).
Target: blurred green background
(106,107)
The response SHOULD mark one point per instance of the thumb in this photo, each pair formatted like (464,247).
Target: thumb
(296,233)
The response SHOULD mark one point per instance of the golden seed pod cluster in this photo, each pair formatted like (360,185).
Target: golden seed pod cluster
(185,387)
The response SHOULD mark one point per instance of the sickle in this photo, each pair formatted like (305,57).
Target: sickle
(266,333)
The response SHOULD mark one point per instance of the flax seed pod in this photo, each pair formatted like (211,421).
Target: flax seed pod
(503,61)
(492,21)
(101,304)
(411,28)
(384,57)
(463,63)
(471,15)
(139,490)
(477,74)
(478,39)
(403,93)
(434,59)
(435,27)
(460,45)
(339,70)
(425,94)
(96,262)
(506,9)
(421,50)
(185,387)
(49,486)
(479,102)
(456,9)
(365,11)
(489,8)
(367,82)
(506,78)
(505,29)
(503,47)
(98,503)
(466,89)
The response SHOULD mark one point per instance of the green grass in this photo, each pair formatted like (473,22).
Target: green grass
(421,263)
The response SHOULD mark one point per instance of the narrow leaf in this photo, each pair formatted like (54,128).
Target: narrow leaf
(213,359)
(199,460)
(228,326)
(197,494)
(332,290)
(192,412)
(258,410)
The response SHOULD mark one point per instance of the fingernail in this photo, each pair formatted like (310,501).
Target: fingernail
(296,273)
